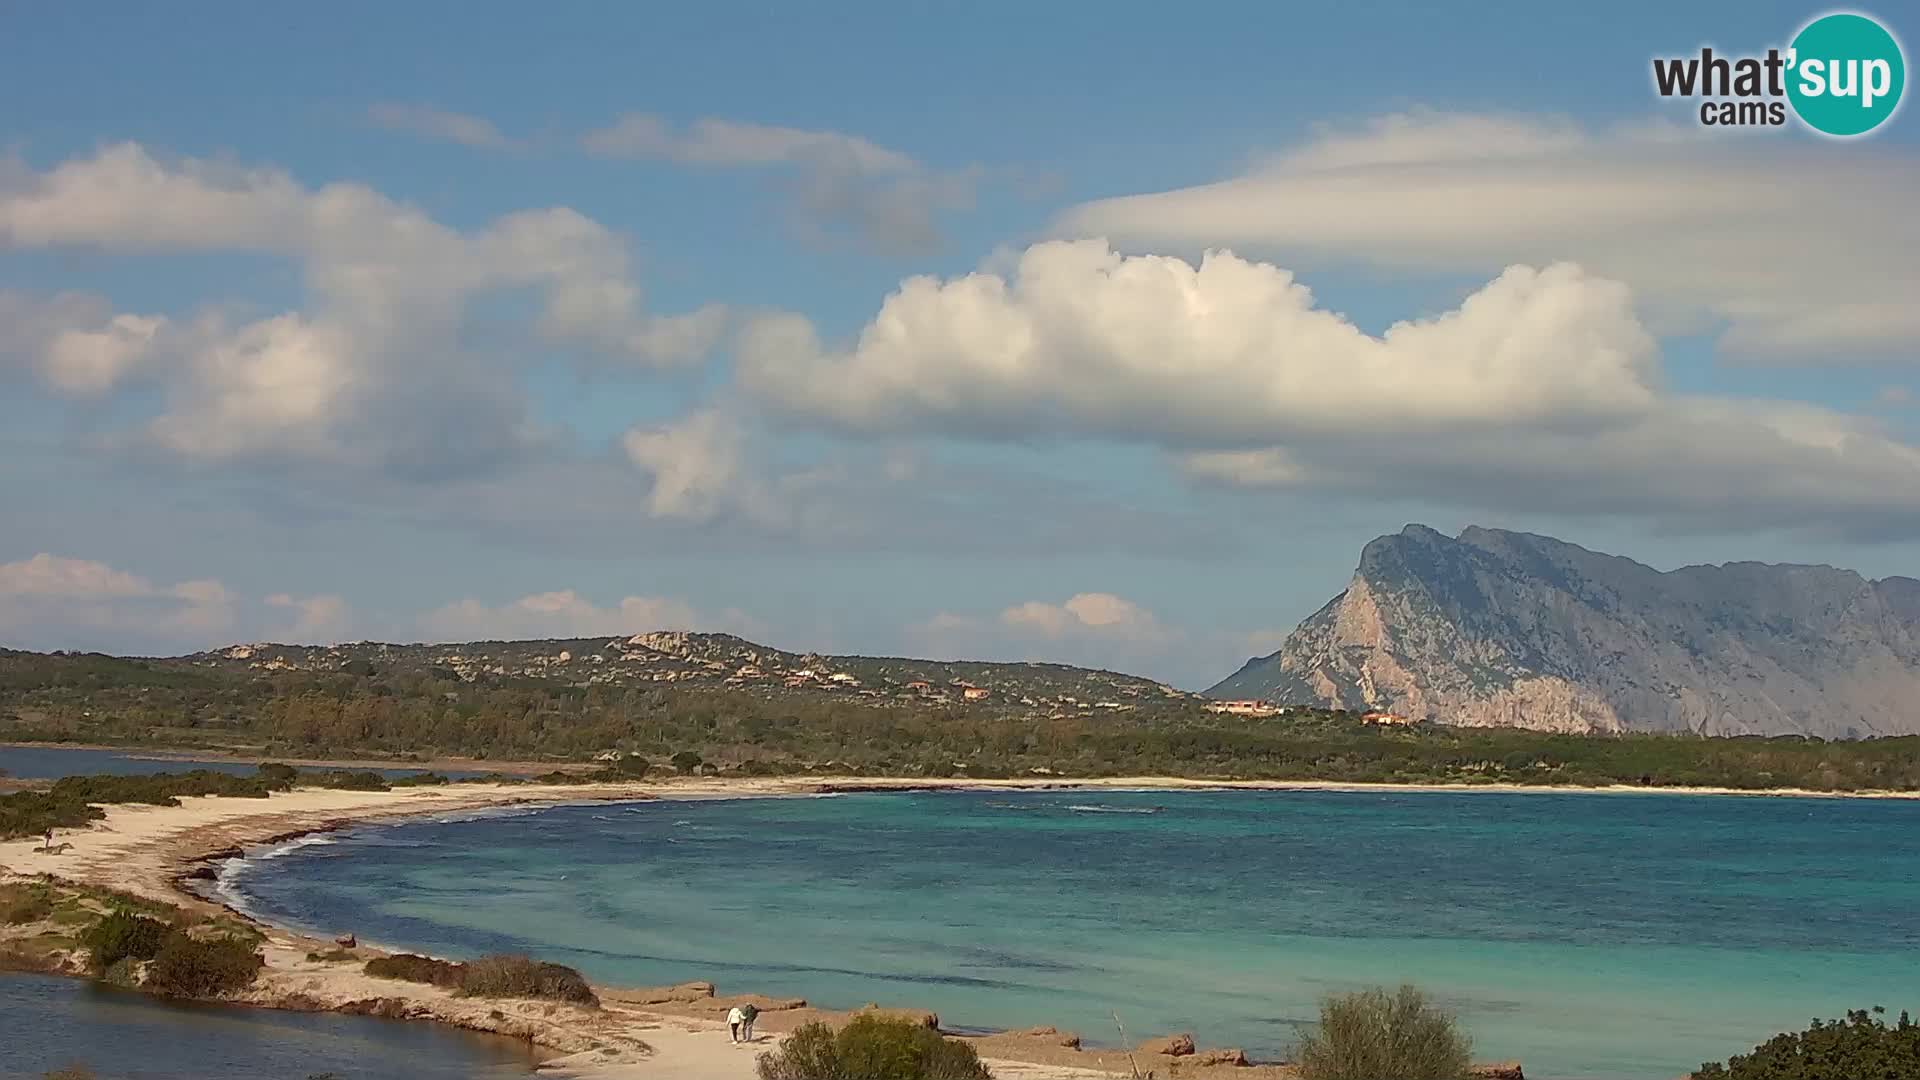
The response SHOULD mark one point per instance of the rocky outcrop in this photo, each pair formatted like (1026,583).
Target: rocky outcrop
(1511,629)
(1170,1046)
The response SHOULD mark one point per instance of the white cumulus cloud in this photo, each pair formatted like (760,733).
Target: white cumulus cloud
(1797,250)
(1540,390)
(565,613)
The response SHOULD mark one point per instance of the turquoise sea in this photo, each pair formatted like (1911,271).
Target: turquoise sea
(1593,937)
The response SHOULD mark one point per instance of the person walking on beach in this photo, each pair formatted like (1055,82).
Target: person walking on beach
(748,1013)
(736,1019)
(49,839)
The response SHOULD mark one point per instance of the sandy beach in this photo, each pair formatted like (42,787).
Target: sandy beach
(149,851)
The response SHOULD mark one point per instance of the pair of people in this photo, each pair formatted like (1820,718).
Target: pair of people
(740,1022)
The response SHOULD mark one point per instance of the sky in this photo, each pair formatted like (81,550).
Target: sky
(1103,334)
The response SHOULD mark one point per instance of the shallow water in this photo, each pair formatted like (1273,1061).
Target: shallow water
(48,1023)
(52,762)
(1590,936)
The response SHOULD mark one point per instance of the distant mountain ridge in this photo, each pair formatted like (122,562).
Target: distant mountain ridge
(717,661)
(1505,628)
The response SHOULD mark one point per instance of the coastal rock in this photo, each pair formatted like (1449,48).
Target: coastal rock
(1052,1036)
(1204,1058)
(347,941)
(685,993)
(918,1016)
(1497,1070)
(1180,1045)
(1495,628)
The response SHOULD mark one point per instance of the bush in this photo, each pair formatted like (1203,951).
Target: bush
(346,780)
(122,934)
(631,767)
(1374,1035)
(687,761)
(425,779)
(525,977)
(1860,1046)
(279,776)
(185,967)
(25,904)
(420,969)
(872,1048)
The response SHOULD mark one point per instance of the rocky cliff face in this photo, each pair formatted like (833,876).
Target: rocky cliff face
(1501,628)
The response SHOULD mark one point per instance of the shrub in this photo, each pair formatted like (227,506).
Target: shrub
(525,977)
(25,904)
(1375,1035)
(1860,1046)
(425,779)
(631,767)
(687,761)
(346,780)
(872,1048)
(420,969)
(185,967)
(277,775)
(122,934)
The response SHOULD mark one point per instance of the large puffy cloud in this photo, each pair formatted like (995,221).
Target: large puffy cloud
(1079,338)
(1799,249)
(1541,389)
(374,369)
(53,601)
(836,180)
(565,613)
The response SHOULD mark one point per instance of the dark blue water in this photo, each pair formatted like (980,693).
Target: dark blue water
(48,1023)
(52,762)
(1591,936)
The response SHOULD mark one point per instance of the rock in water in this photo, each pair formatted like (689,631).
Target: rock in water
(1172,1046)
(1502,628)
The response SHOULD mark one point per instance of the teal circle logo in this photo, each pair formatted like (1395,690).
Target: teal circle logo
(1845,74)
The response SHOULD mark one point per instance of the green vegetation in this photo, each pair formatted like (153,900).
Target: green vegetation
(367,710)
(872,1048)
(75,800)
(121,935)
(25,903)
(1376,1035)
(1860,1047)
(191,967)
(524,977)
(490,976)
(421,969)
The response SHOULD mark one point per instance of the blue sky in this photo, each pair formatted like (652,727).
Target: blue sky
(892,328)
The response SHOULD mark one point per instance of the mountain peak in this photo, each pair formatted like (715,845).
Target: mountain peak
(1508,628)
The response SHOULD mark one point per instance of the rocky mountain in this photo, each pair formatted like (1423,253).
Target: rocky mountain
(717,661)
(1503,628)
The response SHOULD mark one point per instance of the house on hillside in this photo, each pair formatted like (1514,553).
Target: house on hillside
(973,693)
(1387,719)
(1243,708)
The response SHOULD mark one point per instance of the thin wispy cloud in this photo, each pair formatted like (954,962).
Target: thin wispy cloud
(428,122)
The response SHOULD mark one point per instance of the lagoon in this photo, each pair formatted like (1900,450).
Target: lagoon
(1592,936)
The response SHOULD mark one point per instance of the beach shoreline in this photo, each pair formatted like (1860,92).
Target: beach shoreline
(163,853)
(166,854)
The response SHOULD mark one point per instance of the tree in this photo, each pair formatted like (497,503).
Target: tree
(872,1048)
(1861,1047)
(687,760)
(1375,1035)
